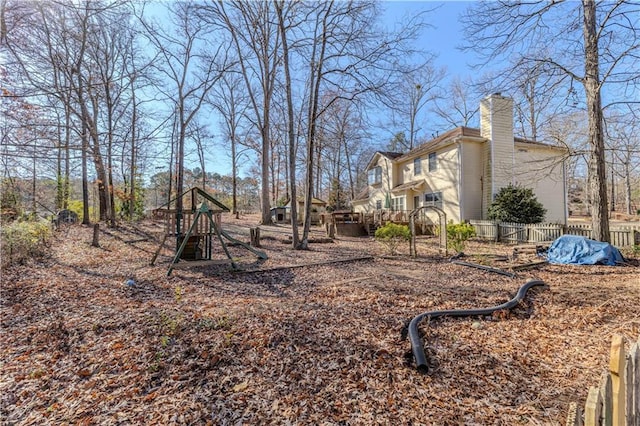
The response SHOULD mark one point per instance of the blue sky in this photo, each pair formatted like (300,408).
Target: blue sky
(442,38)
(445,35)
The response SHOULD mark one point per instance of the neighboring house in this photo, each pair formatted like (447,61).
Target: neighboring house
(318,207)
(462,170)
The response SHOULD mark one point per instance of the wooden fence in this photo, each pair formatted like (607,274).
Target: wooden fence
(617,401)
(621,236)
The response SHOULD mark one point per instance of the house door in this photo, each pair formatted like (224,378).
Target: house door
(416,201)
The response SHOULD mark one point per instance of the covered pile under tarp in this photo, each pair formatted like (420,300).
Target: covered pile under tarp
(576,250)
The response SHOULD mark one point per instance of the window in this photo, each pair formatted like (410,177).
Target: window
(374,176)
(433,199)
(417,166)
(397,204)
(378,204)
(433,164)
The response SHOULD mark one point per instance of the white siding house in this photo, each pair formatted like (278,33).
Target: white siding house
(462,170)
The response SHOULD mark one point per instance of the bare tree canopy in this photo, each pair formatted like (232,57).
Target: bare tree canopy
(585,51)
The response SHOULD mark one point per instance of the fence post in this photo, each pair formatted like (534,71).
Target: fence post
(606,393)
(633,384)
(574,417)
(617,370)
(593,407)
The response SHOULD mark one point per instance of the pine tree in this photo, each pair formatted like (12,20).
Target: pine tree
(337,200)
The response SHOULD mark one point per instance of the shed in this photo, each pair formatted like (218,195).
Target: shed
(318,207)
(280,215)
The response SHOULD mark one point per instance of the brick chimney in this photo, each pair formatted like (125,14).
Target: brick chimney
(496,124)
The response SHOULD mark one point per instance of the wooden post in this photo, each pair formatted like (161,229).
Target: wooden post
(617,370)
(593,407)
(331,230)
(633,385)
(574,417)
(96,235)
(254,234)
(606,395)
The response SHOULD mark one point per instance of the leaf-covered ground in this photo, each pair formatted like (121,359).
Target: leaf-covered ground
(318,344)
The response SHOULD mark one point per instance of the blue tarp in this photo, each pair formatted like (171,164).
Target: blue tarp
(575,250)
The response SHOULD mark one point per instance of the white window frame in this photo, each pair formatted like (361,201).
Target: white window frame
(374,176)
(433,162)
(398,203)
(417,166)
(433,199)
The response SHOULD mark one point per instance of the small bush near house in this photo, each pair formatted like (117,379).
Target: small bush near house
(22,240)
(392,235)
(516,204)
(458,234)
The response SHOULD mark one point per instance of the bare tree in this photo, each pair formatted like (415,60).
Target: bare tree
(349,58)
(255,37)
(458,104)
(606,37)
(343,136)
(414,92)
(190,64)
(230,100)
(624,144)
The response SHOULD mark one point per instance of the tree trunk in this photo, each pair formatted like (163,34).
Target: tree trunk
(293,199)
(254,236)
(352,189)
(67,164)
(597,172)
(180,173)
(134,119)
(314,92)
(627,188)
(265,204)
(85,179)
(234,175)
(612,204)
(96,236)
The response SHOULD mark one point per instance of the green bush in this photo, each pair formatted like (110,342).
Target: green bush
(23,240)
(77,207)
(392,235)
(458,234)
(516,204)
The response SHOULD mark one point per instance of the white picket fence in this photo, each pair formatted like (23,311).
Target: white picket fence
(616,401)
(621,236)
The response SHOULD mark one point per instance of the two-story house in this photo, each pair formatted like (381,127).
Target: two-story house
(462,170)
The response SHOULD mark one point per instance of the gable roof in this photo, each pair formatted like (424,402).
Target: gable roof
(462,131)
(363,195)
(388,154)
(192,201)
(441,139)
(414,185)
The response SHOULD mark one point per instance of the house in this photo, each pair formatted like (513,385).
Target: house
(462,170)
(318,207)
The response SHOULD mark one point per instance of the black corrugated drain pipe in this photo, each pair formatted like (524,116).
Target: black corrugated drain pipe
(417,346)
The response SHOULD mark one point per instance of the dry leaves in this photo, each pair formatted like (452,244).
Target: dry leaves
(311,345)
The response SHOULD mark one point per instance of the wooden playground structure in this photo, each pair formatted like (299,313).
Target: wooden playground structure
(197,227)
